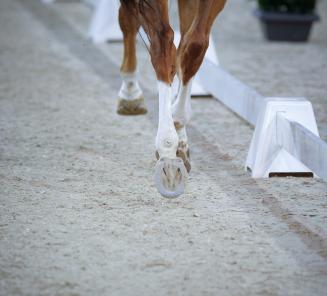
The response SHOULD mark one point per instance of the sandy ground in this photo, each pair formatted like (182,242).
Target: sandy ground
(79,214)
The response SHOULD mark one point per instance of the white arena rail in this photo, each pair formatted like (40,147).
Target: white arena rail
(285,140)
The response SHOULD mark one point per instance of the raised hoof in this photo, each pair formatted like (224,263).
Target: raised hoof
(170,177)
(131,107)
(185,156)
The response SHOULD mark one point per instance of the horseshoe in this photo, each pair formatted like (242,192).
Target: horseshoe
(177,166)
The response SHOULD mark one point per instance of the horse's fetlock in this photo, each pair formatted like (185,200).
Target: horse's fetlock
(169,142)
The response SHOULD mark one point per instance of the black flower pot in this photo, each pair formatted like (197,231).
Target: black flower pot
(285,26)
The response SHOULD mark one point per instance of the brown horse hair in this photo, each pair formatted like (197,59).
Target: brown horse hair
(140,8)
(155,28)
(141,5)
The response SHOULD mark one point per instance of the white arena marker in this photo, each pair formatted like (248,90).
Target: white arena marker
(286,139)
(104,24)
(273,146)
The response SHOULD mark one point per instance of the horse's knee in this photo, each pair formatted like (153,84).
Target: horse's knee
(163,53)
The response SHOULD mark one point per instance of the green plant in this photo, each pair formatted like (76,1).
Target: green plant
(288,6)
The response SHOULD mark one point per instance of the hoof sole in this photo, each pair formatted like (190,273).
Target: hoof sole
(131,107)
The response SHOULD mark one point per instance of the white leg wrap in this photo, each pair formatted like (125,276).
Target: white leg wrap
(130,89)
(167,138)
(181,109)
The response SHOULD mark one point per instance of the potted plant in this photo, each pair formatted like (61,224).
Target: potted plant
(286,20)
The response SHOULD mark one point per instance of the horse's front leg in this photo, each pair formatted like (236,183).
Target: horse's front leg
(167,138)
(130,101)
(170,170)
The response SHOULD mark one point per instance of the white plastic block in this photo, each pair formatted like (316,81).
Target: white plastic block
(273,147)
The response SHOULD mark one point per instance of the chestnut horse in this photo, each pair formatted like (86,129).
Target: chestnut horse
(196,20)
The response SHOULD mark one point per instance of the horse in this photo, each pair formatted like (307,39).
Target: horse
(196,20)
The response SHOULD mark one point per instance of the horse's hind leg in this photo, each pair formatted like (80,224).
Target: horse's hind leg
(196,19)
(195,39)
(131,101)
(181,108)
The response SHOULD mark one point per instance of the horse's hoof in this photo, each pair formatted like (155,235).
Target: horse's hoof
(170,177)
(131,107)
(185,156)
